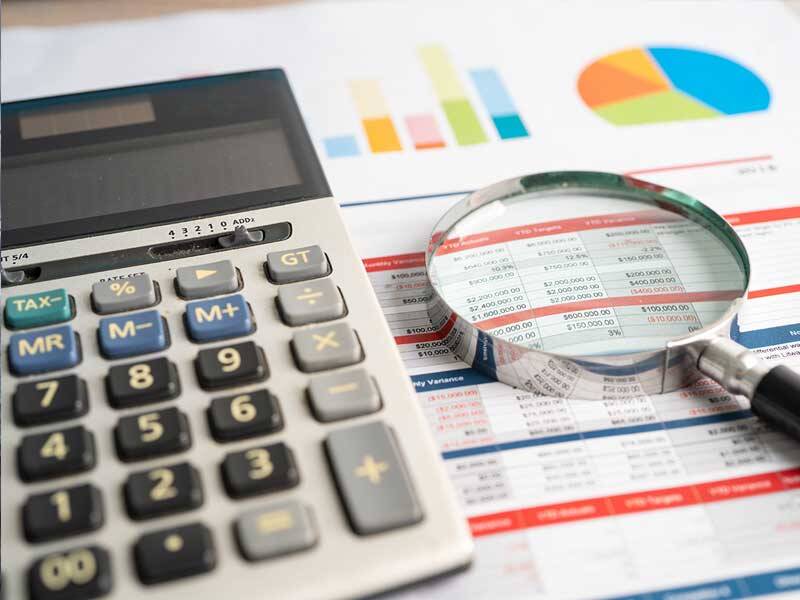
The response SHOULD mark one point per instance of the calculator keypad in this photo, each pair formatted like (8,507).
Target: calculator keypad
(50,400)
(56,454)
(62,512)
(144,382)
(152,434)
(174,553)
(374,489)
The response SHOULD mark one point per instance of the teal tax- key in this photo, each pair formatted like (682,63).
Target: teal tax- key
(38,310)
(43,350)
(132,334)
(218,319)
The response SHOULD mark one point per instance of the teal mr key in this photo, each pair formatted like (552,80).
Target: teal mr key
(38,310)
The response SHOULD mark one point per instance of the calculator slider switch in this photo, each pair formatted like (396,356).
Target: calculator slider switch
(210,279)
(132,334)
(44,350)
(39,309)
(241,237)
(118,295)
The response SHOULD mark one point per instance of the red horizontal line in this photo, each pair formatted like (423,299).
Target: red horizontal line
(776,291)
(700,165)
(763,216)
(594,508)
(396,261)
(557,309)
(428,145)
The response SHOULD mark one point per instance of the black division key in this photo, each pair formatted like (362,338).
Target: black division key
(175,553)
(259,471)
(232,365)
(61,513)
(56,454)
(142,382)
(244,415)
(77,574)
(152,434)
(50,400)
(162,491)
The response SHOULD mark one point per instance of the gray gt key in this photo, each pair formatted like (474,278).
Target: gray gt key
(372,478)
(326,348)
(211,279)
(119,295)
(297,264)
(276,530)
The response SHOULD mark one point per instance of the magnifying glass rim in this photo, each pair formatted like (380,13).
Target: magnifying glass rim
(593,182)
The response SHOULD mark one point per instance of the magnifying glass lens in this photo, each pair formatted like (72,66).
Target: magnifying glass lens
(586,273)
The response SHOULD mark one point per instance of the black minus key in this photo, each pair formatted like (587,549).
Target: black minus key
(62,512)
(77,574)
(142,382)
(174,553)
(56,454)
(231,365)
(50,400)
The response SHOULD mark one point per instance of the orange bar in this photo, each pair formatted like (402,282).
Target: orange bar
(382,135)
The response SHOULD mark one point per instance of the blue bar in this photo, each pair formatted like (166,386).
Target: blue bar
(495,97)
(448,379)
(770,336)
(340,146)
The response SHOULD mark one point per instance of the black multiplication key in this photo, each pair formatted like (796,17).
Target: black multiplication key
(244,415)
(230,365)
(259,471)
(142,382)
(50,400)
(162,491)
(175,553)
(77,574)
(61,513)
(55,454)
(152,434)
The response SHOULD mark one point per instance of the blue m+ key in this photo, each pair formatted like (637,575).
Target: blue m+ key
(218,319)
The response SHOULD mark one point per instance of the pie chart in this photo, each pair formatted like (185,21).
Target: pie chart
(658,84)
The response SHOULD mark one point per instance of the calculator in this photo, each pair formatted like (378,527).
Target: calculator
(201,398)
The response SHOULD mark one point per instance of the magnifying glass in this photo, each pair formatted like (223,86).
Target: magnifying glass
(598,286)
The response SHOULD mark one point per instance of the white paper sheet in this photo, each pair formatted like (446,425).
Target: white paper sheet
(681,496)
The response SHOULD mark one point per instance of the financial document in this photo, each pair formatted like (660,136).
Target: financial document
(413,104)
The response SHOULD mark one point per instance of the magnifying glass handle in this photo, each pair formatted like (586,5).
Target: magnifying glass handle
(774,392)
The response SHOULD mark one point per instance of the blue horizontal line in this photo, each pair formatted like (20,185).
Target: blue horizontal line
(598,433)
(404,199)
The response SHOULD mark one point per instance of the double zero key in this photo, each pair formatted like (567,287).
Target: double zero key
(80,573)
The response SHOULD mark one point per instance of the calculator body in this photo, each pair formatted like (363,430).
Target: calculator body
(346,545)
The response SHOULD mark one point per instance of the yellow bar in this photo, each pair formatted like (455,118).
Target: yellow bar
(443,75)
(369,100)
(382,135)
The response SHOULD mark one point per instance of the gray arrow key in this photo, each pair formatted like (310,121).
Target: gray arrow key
(372,478)
(211,279)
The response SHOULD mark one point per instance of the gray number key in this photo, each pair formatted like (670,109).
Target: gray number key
(326,347)
(211,279)
(297,264)
(118,295)
(343,395)
(310,302)
(372,478)
(276,530)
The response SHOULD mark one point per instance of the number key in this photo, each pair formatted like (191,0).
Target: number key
(152,434)
(51,400)
(230,365)
(244,415)
(259,471)
(62,513)
(77,574)
(56,454)
(142,382)
(163,491)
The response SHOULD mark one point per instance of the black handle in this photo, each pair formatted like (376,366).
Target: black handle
(777,400)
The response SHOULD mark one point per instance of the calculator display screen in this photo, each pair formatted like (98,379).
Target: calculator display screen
(87,163)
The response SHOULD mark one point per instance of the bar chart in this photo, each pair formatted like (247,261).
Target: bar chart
(466,113)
